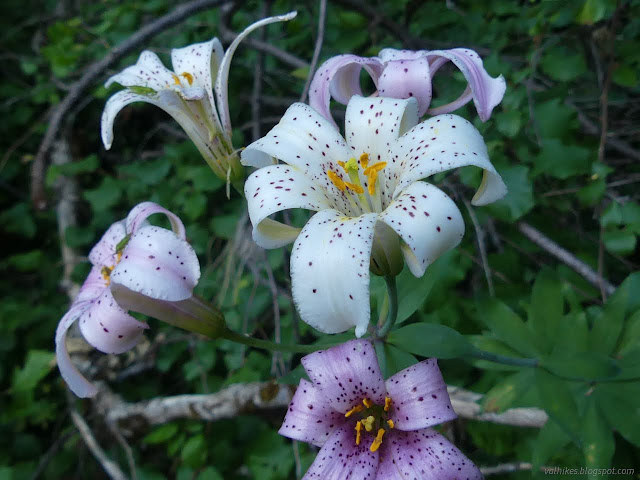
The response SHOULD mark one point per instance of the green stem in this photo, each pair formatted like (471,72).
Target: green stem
(269,345)
(392,292)
(494,357)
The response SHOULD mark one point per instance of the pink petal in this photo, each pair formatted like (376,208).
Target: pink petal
(93,286)
(108,327)
(74,379)
(339,77)
(407,79)
(419,396)
(341,459)
(347,374)
(391,54)
(487,91)
(158,264)
(138,215)
(103,254)
(309,418)
(423,455)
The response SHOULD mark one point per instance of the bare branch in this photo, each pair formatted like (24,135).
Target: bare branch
(92,74)
(506,468)
(565,256)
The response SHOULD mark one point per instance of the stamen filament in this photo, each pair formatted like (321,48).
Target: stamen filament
(378,441)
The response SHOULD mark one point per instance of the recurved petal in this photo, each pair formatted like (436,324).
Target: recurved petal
(392,54)
(165,99)
(407,79)
(341,459)
(74,379)
(339,77)
(276,188)
(159,264)
(103,254)
(424,455)
(138,215)
(197,64)
(487,91)
(346,374)
(148,72)
(108,327)
(428,222)
(330,271)
(222,80)
(420,397)
(443,143)
(309,418)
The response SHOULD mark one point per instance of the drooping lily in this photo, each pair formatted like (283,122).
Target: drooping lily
(373,208)
(369,428)
(405,74)
(187,94)
(135,266)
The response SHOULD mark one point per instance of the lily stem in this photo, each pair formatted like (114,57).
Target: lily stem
(267,344)
(392,292)
(494,357)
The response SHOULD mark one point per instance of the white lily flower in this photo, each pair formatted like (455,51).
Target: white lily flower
(187,95)
(373,208)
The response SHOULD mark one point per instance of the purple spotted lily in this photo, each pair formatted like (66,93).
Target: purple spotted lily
(405,74)
(187,95)
(135,266)
(373,208)
(369,428)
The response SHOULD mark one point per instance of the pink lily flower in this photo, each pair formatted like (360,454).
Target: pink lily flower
(371,429)
(405,74)
(150,269)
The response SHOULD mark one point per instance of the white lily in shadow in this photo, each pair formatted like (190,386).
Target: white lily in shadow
(187,94)
(373,208)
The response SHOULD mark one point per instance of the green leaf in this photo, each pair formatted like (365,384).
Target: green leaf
(269,456)
(619,242)
(396,360)
(86,165)
(547,305)
(625,76)
(549,442)
(508,327)
(592,11)
(630,337)
(581,365)
(554,119)
(105,196)
(598,443)
(505,393)
(36,367)
(556,398)
(28,261)
(519,201)
(161,434)
(209,473)
(607,326)
(563,161)
(509,123)
(194,451)
(429,340)
(619,404)
(563,65)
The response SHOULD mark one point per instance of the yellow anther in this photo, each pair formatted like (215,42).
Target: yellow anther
(376,167)
(358,430)
(364,160)
(188,76)
(176,79)
(356,188)
(367,402)
(371,187)
(368,423)
(356,409)
(343,165)
(378,441)
(118,258)
(387,403)
(336,180)
(390,423)
(106,274)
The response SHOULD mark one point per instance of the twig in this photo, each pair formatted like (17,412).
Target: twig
(482,247)
(127,449)
(109,466)
(565,256)
(506,468)
(92,73)
(51,452)
(322,17)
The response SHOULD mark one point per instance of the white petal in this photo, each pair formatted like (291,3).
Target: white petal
(276,188)
(372,125)
(274,234)
(306,140)
(148,72)
(103,254)
(442,143)
(428,222)
(76,382)
(222,82)
(330,271)
(138,215)
(391,54)
(108,327)
(158,264)
(165,99)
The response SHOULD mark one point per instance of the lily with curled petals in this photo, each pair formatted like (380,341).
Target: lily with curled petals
(368,428)
(187,94)
(373,207)
(135,266)
(405,74)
